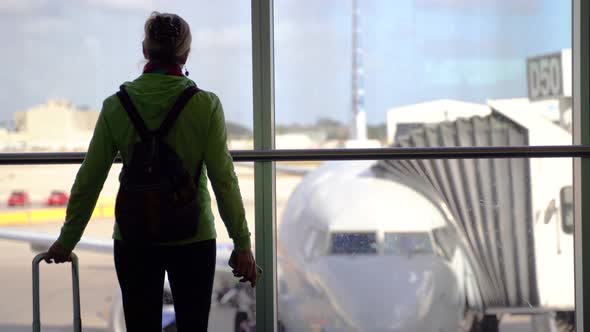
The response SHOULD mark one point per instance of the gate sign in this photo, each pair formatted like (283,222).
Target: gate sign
(545,77)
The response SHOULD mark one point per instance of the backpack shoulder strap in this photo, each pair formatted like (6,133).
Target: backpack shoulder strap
(174,112)
(133,114)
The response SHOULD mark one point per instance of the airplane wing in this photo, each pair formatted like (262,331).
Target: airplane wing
(292,170)
(40,241)
(284,169)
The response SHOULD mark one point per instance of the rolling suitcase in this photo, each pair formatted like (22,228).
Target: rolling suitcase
(75,291)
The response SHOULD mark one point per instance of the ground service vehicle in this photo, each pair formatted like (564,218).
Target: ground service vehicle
(19,198)
(57,198)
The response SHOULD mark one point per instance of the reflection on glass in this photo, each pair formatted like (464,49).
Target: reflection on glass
(407,243)
(74,55)
(420,245)
(375,68)
(567,209)
(445,240)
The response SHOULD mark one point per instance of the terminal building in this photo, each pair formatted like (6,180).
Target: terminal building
(57,125)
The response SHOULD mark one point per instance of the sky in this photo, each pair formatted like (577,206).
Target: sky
(414,51)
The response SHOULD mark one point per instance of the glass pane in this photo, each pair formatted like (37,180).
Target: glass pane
(376,69)
(40,215)
(72,55)
(407,243)
(349,243)
(420,245)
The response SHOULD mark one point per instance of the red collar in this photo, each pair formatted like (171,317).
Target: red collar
(162,68)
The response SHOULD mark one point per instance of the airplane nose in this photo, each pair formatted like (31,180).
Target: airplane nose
(377,294)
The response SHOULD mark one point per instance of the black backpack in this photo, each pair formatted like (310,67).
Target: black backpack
(157,198)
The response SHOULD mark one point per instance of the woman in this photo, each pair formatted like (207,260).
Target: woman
(198,136)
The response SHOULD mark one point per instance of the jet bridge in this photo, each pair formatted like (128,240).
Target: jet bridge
(489,201)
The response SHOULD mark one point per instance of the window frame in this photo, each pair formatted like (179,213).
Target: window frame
(581,135)
(265,157)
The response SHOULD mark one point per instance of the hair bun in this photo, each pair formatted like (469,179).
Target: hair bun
(165,29)
(167,38)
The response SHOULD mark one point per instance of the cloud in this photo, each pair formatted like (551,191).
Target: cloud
(120,5)
(473,72)
(28,7)
(45,25)
(289,30)
(21,6)
(230,36)
(508,5)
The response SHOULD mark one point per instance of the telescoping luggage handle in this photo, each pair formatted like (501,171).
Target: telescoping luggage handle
(75,292)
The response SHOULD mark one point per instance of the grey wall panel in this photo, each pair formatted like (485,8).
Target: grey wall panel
(435,165)
(472,191)
(520,170)
(503,217)
(483,167)
(479,137)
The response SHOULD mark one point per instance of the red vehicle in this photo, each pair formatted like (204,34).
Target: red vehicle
(19,198)
(57,198)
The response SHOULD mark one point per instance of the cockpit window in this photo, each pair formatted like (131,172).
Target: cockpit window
(407,243)
(445,239)
(353,243)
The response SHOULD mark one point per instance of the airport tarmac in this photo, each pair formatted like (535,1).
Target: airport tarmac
(98,287)
(97,276)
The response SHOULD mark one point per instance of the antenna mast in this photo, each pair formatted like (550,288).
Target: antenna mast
(359,116)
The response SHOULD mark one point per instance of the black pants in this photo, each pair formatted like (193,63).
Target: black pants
(140,271)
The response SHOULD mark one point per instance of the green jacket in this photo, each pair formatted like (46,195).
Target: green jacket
(198,134)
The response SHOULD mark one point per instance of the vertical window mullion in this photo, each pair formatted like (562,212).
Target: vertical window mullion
(264,180)
(581,130)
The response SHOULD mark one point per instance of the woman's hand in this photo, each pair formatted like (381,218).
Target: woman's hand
(244,266)
(58,254)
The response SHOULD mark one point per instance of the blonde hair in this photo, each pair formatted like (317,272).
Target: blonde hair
(167,38)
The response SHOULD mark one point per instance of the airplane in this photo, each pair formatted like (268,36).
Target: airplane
(363,253)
